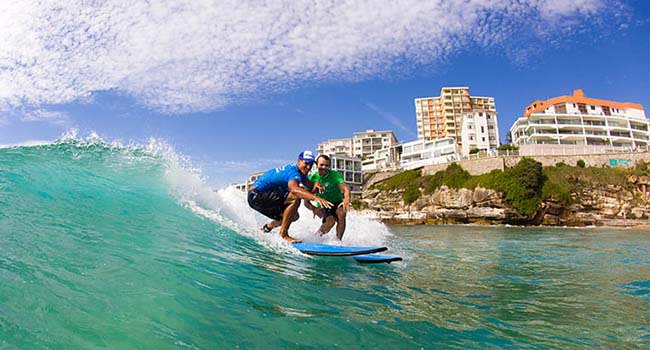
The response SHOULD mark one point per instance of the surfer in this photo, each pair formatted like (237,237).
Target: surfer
(335,191)
(277,194)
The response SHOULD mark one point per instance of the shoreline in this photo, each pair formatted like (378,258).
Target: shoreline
(637,227)
(417,219)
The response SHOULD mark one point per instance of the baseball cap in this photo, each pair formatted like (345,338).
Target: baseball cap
(307,156)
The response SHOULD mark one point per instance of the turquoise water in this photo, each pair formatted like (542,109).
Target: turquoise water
(110,247)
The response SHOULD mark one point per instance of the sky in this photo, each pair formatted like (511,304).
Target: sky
(242,86)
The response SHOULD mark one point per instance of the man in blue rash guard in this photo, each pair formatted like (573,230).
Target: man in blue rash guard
(277,194)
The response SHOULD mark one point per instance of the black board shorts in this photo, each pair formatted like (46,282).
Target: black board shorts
(271,203)
(331,211)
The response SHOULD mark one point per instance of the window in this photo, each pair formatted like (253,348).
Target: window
(483,139)
(482,129)
(491,127)
(560,108)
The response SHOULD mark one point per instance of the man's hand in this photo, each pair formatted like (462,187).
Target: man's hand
(323,203)
(318,188)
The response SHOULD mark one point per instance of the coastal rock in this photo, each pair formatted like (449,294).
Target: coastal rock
(452,198)
(592,206)
(638,212)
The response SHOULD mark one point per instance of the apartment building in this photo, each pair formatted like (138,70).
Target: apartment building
(584,121)
(336,146)
(387,158)
(350,169)
(364,145)
(442,116)
(421,152)
(480,131)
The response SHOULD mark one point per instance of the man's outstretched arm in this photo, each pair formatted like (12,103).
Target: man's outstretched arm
(299,192)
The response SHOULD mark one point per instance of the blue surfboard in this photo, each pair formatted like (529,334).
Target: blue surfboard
(376,258)
(335,250)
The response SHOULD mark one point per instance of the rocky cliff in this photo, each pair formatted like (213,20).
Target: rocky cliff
(597,205)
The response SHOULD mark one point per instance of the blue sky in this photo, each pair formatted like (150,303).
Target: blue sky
(238,87)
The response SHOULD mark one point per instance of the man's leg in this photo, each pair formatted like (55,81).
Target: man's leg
(289,215)
(327,225)
(271,225)
(340,226)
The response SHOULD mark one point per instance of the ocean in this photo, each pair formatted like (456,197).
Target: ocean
(108,246)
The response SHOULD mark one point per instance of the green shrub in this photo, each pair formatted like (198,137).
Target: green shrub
(400,181)
(507,147)
(411,194)
(560,191)
(474,151)
(454,176)
(358,205)
(642,168)
(580,163)
(522,185)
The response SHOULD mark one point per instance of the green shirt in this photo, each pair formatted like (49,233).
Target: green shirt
(331,182)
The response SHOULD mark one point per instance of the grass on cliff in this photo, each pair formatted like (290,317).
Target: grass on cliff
(524,185)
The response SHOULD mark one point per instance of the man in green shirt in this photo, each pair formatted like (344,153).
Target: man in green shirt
(335,191)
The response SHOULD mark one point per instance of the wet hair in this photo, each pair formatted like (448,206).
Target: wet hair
(327,158)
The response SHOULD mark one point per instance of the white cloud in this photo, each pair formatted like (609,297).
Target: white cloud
(179,56)
(46,116)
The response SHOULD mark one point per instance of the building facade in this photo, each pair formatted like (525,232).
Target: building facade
(336,146)
(350,169)
(387,158)
(442,116)
(364,145)
(419,153)
(583,121)
(480,131)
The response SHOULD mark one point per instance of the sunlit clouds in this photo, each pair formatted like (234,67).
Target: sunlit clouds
(188,56)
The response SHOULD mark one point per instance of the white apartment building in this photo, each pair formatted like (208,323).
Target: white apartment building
(442,116)
(366,143)
(580,120)
(420,153)
(387,158)
(336,146)
(350,168)
(480,131)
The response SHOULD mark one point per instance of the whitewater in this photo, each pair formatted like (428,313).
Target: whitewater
(106,245)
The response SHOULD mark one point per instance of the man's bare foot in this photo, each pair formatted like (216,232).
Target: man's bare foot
(291,239)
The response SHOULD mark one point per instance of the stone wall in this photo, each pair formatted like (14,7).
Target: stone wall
(485,165)
(593,160)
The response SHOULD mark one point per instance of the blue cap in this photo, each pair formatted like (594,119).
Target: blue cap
(306,156)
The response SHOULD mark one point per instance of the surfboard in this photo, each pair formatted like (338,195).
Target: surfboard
(376,258)
(335,250)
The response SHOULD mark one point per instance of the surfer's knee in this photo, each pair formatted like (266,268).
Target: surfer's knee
(328,224)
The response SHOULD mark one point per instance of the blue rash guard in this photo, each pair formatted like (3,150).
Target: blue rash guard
(278,178)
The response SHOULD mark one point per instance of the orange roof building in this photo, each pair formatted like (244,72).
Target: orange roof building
(582,120)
